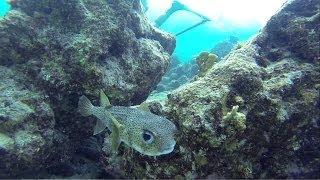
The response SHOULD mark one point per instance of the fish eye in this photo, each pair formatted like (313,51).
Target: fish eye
(147,137)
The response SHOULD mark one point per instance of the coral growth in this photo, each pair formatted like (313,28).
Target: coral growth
(205,61)
(51,52)
(223,48)
(234,119)
(255,114)
(178,74)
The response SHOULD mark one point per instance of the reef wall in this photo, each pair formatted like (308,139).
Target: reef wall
(53,51)
(255,114)
(180,73)
(177,74)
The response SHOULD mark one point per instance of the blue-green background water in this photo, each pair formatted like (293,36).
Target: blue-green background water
(205,36)
(4,7)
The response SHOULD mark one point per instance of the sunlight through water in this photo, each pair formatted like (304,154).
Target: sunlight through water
(228,18)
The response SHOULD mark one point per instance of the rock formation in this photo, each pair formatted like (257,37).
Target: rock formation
(255,114)
(53,51)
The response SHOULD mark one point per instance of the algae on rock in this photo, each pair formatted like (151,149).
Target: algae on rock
(24,111)
(6,143)
(271,84)
(52,52)
(205,62)
(235,119)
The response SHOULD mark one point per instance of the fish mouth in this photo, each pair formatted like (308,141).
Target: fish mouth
(168,149)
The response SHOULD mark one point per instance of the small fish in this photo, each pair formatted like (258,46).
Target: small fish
(145,132)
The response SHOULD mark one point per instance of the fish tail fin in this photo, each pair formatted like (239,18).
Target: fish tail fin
(84,106)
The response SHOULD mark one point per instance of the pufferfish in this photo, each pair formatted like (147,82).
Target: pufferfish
(145,132)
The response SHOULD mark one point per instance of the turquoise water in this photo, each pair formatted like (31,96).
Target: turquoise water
(4,7)
(205,36)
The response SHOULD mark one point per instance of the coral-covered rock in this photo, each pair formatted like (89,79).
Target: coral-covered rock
(205,61)
(53,51)
(293,32)
(26,125)
(221,49)
(255,114)
(178,74)
(80,46)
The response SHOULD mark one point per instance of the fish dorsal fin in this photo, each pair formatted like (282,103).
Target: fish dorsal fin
(104,101)
(144,107)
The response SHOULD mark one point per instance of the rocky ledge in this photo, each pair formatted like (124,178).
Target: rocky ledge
(255,114)
(53,51)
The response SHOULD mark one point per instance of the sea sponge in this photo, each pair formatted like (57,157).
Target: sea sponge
(205,61)
(234,119)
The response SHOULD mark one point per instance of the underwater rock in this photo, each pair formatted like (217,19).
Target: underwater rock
(58,50)
(294,32)
(223,48)
(26,125)
(178,74)
(205,61)
(80,46)
(255,114)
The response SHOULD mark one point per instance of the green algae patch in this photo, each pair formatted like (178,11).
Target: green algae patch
(205,61)
(24,138)
(159,97)
(15,114)
(6,142)
(28,144)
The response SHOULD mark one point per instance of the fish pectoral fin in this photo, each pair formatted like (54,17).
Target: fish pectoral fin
(84,106)
(104,101)
(117,129)
(99,127)
(115,141)
(115,123)
(115,136)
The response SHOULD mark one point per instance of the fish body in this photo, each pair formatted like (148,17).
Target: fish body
(145,132)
